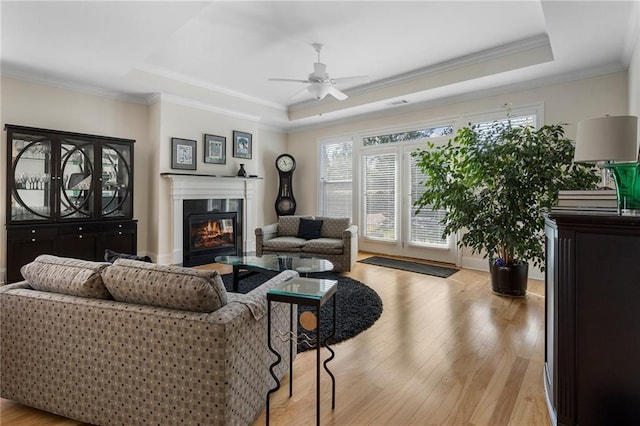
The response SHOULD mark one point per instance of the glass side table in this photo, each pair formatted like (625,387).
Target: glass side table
(305,292)
(273,262)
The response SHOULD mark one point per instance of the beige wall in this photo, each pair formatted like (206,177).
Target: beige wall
(567,102)
(153,127)
(46,107)
(175,119)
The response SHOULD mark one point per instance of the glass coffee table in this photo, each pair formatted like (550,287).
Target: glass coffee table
(273,262)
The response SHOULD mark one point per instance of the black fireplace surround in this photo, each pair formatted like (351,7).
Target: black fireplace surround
(211,228)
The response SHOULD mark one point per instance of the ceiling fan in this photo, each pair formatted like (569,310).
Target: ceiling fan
(319,82)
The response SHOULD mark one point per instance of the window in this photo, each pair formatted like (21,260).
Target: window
(336,176)
(413,135)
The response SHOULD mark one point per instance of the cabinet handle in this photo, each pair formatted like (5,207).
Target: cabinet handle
(33,240)
(119,233)
(33,231)
(79,228)
(79,236)
(119,226)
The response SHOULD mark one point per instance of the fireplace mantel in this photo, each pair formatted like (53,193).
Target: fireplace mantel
(199,187)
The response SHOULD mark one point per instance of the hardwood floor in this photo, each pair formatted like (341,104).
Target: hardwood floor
(444,352)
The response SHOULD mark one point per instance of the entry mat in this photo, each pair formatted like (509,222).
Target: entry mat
(421,268)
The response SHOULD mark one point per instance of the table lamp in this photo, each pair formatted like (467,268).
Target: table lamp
(614,141)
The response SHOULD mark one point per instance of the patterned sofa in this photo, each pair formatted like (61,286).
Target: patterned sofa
(331,238)
(136,343)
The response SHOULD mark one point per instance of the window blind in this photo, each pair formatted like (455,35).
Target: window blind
(425,227)
(379,178)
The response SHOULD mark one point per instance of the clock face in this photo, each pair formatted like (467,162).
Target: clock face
(285,205)
(285,163)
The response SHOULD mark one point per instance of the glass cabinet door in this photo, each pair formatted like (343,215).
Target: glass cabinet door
(77,170)
(31,168)
(116,200)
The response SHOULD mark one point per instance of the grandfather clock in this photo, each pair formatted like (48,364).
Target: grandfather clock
(285,203)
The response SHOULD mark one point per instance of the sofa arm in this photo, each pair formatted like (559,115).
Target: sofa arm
(263,234)
(350,239)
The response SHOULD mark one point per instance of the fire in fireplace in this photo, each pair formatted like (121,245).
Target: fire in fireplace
(210,234)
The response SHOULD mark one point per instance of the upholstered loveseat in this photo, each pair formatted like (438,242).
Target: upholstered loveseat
(331,238)
(135,343)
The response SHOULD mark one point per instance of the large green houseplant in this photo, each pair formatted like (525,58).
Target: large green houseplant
(495,182)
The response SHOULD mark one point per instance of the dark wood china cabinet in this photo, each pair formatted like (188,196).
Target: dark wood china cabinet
(592,345)
(68,194)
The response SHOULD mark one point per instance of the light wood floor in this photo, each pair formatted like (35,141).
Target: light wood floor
(444,352)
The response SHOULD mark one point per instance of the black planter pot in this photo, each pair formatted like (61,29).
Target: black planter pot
(510,281)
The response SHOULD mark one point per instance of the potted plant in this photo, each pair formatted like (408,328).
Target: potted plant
(495,183)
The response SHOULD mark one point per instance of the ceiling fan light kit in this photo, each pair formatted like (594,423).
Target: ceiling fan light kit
(320,84)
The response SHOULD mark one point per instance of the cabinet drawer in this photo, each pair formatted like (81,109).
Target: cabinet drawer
(30,233)
(77,229)
(118,226)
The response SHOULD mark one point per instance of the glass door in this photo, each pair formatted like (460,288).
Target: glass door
(31,174)
(423,231)
(391,183)
(116,169)
(77,187)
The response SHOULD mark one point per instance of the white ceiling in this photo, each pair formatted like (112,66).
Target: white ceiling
(220,54)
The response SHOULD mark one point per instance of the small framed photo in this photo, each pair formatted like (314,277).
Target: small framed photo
(215,149)
(183,154)
(242,144)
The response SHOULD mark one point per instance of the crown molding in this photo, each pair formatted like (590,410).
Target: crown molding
(85,89)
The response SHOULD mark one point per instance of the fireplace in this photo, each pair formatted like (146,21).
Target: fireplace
(211,228)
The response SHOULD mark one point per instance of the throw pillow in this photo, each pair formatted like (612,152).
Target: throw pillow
(165,286)
(309,229)
(111,256)
(75,277)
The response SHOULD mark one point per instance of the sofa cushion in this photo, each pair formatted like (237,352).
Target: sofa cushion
(165,286)
(292,244)
(288,225)
(324,246)
(309,229)
(332,227)
(68,276)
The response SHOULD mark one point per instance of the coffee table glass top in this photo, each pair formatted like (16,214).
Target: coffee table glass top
(278,262)
(305,287)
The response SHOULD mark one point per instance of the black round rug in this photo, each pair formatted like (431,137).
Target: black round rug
(358,306)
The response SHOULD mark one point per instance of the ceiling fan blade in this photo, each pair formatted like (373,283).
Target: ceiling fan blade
(300,94)
(336,93)
(349,80)
(291,80)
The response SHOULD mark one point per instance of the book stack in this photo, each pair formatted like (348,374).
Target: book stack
(596,199)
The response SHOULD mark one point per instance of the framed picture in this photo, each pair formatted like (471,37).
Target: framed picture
(215,149)
(242,144)
(183,154)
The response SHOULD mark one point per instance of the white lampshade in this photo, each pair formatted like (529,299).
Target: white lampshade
(607,139)
(318,90)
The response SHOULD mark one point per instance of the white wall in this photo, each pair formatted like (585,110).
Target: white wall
(46,107)
(567,102)
(634,74)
